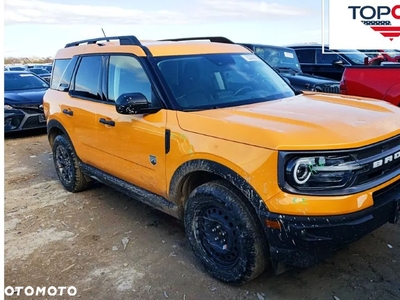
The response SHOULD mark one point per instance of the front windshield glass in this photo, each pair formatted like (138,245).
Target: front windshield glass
(281,59)
(22,81)
(356,57)
(221,80)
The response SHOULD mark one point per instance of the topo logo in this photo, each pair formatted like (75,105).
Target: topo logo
(377,18)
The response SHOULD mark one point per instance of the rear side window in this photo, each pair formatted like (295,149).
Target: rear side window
(88,77)
(306,56)
(59,67)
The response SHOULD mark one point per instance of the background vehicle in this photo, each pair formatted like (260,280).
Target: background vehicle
(41,73)
(330,64)
(378,56)
(23,101)
(284,60)
(379,82)
(15,68)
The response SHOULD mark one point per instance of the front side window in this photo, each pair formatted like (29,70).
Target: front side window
(126,75)
(306,56)
(88,77)
(326,58)
(221,80)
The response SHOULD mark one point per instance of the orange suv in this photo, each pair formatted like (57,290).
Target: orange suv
(209,133)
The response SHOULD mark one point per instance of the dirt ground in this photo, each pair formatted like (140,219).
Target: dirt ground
(55,238)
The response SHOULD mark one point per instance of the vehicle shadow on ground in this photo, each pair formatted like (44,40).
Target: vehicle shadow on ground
(25,133)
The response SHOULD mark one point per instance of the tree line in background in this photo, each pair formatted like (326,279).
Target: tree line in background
(27,60)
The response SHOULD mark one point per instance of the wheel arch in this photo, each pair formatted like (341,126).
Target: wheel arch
(55,128)
(193,173)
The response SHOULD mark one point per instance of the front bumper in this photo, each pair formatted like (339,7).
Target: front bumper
(303,241)
(23,119)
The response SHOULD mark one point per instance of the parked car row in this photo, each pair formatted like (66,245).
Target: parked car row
(43,71)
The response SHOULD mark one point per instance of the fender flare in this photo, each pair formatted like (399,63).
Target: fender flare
(222,171)
(56,124)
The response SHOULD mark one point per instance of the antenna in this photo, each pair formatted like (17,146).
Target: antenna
(105,35)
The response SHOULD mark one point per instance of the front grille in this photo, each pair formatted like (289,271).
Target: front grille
(30,111)
(33,122)
(331,88)
(380,160)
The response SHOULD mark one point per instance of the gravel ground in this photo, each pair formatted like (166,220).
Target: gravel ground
(55,238)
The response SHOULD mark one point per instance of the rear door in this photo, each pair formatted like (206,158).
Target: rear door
(85,96)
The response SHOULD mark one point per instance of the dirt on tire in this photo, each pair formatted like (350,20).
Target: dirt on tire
(111,247)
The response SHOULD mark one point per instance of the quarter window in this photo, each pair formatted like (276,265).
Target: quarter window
(126,75)
(59,67)
(88,77)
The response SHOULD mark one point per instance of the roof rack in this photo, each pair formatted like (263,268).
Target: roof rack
(123,40)
(214,39)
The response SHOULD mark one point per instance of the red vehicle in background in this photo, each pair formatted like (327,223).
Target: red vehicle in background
(378,56)
(379,82)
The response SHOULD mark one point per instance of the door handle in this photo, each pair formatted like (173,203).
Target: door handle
(106,122)
(68,112)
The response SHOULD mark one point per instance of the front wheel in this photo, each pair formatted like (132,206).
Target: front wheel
(67,167)
(225,234)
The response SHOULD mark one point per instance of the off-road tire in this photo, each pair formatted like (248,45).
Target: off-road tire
(217,210)
(67,167)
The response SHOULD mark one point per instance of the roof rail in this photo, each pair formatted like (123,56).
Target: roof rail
(123,40)
(214,39)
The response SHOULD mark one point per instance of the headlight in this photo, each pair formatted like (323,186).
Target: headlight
(315,173)
(8,107)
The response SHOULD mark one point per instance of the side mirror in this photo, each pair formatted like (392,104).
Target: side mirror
(133,103)
(338,62)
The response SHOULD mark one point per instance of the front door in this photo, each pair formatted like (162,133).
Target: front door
(133,145)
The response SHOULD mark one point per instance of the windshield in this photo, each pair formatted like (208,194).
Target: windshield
(221,80)
(279,58)
(22,81)
(356,57)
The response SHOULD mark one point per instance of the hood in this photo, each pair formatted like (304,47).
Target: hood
(307,81)
(310,121)
(24,97)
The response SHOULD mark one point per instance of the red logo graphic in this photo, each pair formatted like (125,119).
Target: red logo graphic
(385,28)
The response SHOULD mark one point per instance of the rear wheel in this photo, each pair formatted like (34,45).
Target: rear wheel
(225,233)
(67,167)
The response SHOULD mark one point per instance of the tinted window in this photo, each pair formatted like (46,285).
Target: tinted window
(126,75)
(39,71)
(326,58)
(22,81)
(59,67)
(87,81)
(306,55)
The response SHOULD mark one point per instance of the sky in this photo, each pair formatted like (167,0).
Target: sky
(41,27)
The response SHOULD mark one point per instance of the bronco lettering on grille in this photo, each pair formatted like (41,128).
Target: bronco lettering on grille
(386,160)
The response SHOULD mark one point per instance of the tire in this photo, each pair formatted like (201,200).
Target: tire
(225,233)
(67,167)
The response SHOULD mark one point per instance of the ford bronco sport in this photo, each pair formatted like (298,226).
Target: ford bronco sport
(207,132)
